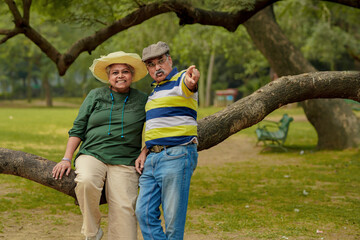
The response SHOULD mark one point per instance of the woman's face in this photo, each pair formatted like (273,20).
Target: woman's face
(120,78)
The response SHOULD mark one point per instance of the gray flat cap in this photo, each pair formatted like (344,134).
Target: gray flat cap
(155,50)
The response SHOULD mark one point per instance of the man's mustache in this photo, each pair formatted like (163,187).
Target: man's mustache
(160,71)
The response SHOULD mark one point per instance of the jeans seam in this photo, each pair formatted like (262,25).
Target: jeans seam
(147,214)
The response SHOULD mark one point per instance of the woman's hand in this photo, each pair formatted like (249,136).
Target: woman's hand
(61,168)
(65,165)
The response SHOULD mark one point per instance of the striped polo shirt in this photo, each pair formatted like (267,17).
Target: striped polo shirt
(171,112)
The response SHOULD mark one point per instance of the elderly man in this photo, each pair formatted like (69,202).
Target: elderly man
(171,141)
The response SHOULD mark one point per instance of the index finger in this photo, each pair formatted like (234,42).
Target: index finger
(191,69)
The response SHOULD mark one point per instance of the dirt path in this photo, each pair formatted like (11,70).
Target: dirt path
(233,149)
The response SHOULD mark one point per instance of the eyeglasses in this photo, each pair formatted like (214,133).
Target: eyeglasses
(159,62)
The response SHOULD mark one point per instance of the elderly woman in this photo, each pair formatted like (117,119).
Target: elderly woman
(109,125)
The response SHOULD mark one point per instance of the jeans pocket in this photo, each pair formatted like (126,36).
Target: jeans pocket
(175,152)
(194,160)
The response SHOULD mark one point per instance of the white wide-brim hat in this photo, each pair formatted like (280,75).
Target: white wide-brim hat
(98,68)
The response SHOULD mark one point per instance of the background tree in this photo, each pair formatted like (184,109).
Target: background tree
(285,59)
(200,45)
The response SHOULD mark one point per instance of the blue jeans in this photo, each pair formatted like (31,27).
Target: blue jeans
(166,180)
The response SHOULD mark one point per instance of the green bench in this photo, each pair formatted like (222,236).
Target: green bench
(355,105)
(273,134)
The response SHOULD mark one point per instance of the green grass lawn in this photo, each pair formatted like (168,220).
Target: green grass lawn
(300,194)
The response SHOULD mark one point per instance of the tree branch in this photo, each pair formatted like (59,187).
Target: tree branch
(250,110)
(140,4)
(44,45)
(5,31)
(9,34)
(22,26)
(18,20)
(26,6)
(36,169)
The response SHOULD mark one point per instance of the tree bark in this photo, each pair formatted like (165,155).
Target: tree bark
(36,169)
(215,128)
(286,59)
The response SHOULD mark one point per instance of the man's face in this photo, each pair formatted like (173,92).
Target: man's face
(159,67)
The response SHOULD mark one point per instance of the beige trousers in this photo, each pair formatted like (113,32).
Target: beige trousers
(121,188)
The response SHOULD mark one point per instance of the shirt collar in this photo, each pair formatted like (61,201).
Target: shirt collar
(172,73)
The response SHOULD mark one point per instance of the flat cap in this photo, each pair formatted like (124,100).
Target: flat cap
(155,50)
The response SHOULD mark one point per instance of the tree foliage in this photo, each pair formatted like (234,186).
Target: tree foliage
(83,26)
(325,32)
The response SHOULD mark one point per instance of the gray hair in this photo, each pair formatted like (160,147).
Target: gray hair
(132,70)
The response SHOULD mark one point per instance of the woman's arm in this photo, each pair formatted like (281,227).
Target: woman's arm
(65,165)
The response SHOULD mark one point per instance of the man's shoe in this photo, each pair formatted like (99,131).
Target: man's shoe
(98,236)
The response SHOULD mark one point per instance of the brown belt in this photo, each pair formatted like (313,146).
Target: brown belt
(158,148)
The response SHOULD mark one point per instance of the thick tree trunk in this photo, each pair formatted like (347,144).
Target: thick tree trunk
(336,125)
(337,132)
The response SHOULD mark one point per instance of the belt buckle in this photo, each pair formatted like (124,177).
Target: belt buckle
(157,148)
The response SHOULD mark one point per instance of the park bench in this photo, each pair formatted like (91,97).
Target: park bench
(273,134)
(355,105)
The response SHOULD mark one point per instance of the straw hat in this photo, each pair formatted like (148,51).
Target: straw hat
(98,68)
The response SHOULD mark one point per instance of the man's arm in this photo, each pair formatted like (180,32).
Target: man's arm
(139,162)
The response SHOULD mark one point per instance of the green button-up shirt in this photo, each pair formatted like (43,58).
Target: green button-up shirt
(92,125)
